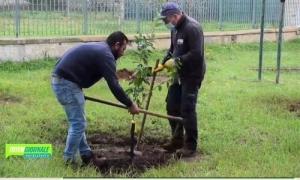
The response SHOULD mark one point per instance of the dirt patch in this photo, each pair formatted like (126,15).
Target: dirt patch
(126,74)
(116,150)
(7,98)
(290,105)
(294,106)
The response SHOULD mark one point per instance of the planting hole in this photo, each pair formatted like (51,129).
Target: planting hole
(294,106)
(116,150)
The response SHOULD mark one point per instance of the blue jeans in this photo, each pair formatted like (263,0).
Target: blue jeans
(71,97)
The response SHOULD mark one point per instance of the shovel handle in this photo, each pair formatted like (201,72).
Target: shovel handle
(178,119)
(132,138)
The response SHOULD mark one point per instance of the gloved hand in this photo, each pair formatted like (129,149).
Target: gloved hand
(159,68)
(170,64)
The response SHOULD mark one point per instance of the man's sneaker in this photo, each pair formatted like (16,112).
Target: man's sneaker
(70,162)
(174,145)
(93,159)
(185,152)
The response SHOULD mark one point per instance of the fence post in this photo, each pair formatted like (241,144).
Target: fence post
(280,40)
(113,9)
(68,9)
(17,18)
(182,4)
(262,27)
(137,15)
(85,17)
(253,13)
(220,14)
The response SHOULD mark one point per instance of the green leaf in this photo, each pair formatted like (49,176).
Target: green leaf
(140,85)
(159,88)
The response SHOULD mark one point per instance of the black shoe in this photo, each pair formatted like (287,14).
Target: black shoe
(93,159)
(174,145)
(185,152)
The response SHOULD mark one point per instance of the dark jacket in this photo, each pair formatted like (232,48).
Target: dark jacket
(187,43)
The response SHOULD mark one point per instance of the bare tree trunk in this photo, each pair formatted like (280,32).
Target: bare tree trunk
(292,11)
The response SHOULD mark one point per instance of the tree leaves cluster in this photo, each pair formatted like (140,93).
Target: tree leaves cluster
(139,85)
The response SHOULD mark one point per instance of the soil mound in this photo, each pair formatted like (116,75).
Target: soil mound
(124,74)
(119,160)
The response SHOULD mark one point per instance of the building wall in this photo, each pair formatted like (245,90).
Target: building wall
(21,49)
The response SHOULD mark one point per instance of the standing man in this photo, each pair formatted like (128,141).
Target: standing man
(81,67)
(187,47)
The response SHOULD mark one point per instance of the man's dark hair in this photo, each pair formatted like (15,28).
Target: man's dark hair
(117,36)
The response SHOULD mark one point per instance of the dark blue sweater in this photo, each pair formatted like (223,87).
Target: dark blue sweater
(87,63)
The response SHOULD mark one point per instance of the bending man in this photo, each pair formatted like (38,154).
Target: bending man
(81,67)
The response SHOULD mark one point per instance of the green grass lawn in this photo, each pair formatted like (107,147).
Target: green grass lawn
(246,128)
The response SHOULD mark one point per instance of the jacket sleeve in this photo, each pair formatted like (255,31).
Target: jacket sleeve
(195,40)
(169,51)
(108,68)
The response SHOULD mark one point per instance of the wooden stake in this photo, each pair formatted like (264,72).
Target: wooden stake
(147,106)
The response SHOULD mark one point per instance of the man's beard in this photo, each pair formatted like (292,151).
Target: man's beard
(115,54)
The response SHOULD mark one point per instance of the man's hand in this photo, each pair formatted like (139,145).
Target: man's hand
(170,64)
(134,109)
(159,68)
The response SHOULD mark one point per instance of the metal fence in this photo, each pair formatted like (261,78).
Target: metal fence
(88,17)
